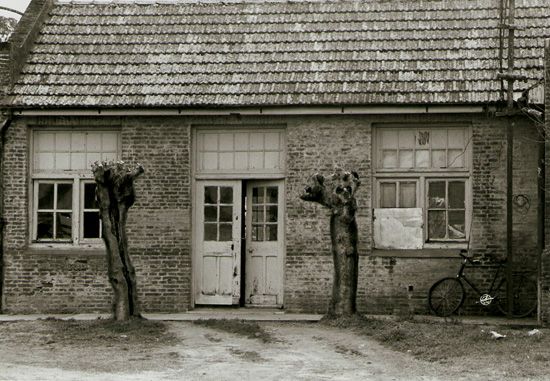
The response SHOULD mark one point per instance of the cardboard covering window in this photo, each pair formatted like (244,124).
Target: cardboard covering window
(398,228)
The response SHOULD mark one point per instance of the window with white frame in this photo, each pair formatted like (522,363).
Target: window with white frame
(64,209)
(426,170)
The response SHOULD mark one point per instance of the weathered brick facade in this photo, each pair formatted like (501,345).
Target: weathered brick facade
(545,278)
(159,227)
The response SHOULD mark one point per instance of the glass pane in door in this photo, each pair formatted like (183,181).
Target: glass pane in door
(265,211)
(218,213)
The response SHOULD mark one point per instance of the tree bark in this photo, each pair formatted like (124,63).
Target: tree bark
(115,195)
(337,193)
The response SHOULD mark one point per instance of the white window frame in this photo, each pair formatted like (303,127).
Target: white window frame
(78,178)
(424,175)
(398,182)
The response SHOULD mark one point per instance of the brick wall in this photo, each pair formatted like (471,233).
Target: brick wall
(159,226)
(545,281)
(318,145)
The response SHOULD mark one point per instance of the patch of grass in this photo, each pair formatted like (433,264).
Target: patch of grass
(467,347)
(249,329)
(100,332)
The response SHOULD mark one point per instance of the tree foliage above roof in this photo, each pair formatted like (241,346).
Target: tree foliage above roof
(7,25)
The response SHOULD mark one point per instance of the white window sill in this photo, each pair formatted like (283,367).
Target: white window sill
(419,253)
(65,249)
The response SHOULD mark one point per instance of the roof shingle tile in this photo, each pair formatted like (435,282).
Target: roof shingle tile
(276,53)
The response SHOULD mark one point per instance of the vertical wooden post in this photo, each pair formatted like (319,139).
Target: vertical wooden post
(509,156)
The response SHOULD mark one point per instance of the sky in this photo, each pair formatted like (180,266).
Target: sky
(19,5)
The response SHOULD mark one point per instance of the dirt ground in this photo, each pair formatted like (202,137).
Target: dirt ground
(54,350)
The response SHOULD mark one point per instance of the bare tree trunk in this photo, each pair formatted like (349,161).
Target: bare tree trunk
(338,193)
(115,195)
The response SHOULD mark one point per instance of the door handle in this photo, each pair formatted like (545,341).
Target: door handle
(232,246)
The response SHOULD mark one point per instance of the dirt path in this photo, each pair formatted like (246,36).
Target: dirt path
(301,352)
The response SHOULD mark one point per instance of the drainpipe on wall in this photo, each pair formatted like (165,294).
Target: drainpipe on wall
(3,128)
(510,156)
(541,180)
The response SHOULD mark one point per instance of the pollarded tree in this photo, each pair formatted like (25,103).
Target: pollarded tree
(115,195)
(337,192)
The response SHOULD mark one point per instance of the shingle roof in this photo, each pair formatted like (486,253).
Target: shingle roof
(276,53)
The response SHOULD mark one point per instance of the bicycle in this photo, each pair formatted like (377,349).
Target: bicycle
(447,295)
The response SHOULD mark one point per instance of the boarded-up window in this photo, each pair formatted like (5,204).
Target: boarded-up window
(240,151)
(396,228)
(422,185)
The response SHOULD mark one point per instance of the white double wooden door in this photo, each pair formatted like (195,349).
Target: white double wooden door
(220,243)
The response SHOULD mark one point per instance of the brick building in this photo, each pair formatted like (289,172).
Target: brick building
(230,107)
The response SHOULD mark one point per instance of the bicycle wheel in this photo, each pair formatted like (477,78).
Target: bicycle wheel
(446,296)
(524,297)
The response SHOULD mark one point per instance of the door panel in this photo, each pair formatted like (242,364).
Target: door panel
(264,243)
(218,242)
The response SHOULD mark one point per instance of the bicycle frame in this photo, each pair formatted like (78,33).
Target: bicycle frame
(487,300)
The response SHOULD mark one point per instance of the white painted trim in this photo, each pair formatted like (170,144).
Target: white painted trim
(267,110)
(281,239)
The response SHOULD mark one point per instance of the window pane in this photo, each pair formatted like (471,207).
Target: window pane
(257,232)
(406,139)
(271,232)
(210,195)
(258,213)
(457,224)
(257,195)
(456,158)
(439,159)
(422,158)
(64,196)
(389,158)
(388,138)
(226,213)
(456,138)
(226,232)
(210,213)
(387,195)
(45,196)
(407,195)
(91,226)
(64,225)
(439,138)
(272,195)
(271,213)
(210,232)
(456,194)
(436,224)
(436,195)
(44,226)
(406,159)
(226,195)
(89,196)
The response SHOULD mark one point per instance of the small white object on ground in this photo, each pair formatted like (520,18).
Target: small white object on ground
(534,332)
(496,335)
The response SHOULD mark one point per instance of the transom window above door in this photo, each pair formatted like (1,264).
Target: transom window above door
(422,148)
(239,151)
(422,186)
